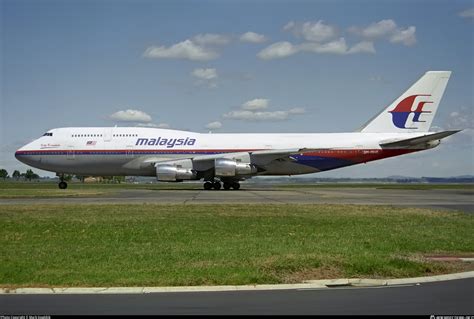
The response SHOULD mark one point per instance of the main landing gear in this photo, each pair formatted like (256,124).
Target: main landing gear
(217,185)
(62,184)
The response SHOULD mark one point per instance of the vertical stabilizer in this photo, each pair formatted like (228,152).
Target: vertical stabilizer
(415,109)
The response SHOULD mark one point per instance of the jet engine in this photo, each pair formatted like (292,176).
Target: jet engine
(175,171)
(225,167)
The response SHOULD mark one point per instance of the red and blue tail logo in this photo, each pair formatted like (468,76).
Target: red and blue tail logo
(403,110)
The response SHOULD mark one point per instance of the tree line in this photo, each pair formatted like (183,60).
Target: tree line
(30,175)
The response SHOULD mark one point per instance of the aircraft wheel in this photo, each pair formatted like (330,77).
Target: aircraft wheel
(227,186)
(208,185)
(62,185)
(236,185)
(217,185)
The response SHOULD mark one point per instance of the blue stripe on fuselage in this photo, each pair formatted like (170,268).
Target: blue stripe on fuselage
(322,163)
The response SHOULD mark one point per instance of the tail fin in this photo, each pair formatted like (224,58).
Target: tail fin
(415,109)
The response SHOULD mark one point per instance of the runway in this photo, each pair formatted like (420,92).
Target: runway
(440,298)
(446,199)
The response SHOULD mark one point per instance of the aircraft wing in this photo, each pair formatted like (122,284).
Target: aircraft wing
(411,142)
(205,162)
(258,157)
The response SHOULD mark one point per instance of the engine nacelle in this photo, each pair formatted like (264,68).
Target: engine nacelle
(225,167)
(175,171)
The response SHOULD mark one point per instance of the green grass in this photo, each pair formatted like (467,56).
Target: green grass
(163,245)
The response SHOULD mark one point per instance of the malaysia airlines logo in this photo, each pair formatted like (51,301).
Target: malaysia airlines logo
(403,110)
(168,142)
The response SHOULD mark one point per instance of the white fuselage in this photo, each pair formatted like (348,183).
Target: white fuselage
(129,150)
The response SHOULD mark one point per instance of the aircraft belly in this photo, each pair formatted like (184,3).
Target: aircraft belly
(288,168)
(99,165)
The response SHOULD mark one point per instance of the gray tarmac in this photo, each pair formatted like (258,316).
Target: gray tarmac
(444,199)
(440,298)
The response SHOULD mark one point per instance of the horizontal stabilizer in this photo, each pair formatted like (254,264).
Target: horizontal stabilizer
(418,140)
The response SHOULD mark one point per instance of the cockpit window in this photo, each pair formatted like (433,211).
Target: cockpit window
(48,134)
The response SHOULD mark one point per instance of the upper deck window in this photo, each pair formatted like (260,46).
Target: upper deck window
(48,134)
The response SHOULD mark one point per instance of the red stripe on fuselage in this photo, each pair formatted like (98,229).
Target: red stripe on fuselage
(361,156)
(354,155)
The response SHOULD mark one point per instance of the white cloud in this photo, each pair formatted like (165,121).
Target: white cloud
(163,125)
(289,26)
(183,50)
(468,13)
(407,36)
(376,30)
(335,47)
(297,110)
(256,116)
(206,77)
(255,104)
(362,47)
(277,50)
(251,111)
(318,31)
(211,39)
(339,46)
(312,31)
(320,39)
(214,125)
(160,125)
(386,29)
(205,74)
(252,37)
(131,116)
(460,119)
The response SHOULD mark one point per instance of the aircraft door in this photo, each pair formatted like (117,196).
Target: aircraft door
(70,154)
(108,134)
(129,151)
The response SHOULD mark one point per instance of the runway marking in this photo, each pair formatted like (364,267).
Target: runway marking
(193,198)
(268,198)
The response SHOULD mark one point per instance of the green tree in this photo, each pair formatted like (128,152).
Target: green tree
(29,175)
(3,173)
(107,179)
(16,174)
(119,179)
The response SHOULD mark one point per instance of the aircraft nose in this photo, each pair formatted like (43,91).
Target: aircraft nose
(20,154)
(24,155)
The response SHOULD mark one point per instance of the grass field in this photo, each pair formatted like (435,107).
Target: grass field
(163,245)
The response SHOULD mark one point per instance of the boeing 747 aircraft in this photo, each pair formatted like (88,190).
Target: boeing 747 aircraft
(225,159)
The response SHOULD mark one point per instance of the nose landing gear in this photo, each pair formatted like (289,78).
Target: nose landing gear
(62,184)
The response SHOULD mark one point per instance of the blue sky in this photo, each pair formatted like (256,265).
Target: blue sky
(235,66)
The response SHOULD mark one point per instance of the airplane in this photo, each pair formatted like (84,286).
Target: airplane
(223,160)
